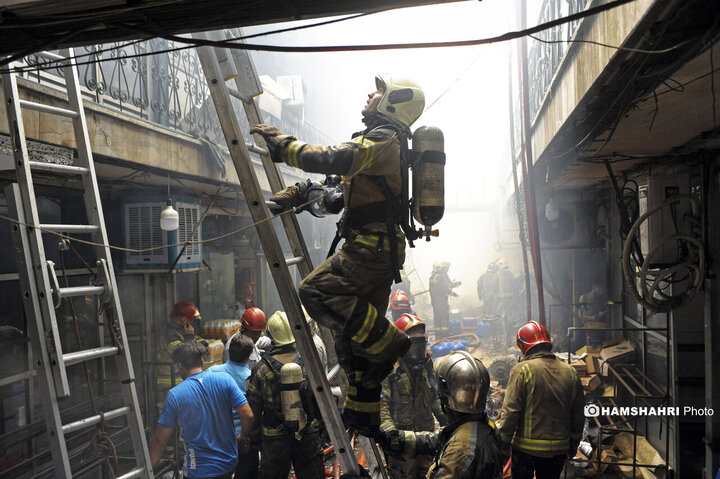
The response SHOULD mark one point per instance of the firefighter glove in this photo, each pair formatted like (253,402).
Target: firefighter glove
(291,196)
(391,441)
(273,139)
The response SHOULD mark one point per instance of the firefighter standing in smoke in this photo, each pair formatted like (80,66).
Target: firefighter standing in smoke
(349,292)
(410,398)
(542,414)
(441,286)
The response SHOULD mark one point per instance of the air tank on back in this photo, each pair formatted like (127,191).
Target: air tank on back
(428,177)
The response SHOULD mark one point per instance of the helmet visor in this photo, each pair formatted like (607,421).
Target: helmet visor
(418,349)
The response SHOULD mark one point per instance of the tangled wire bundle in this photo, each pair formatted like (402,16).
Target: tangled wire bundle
(664,287)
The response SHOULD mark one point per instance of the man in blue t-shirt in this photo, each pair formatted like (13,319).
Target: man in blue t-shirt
(202,405)
(240,347)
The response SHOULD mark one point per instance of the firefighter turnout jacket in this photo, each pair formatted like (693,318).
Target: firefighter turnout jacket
(542,414)
(410,398)
(467,448)
(371,170)
(173,335)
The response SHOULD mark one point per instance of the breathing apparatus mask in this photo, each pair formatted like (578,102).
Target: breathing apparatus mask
(418,350)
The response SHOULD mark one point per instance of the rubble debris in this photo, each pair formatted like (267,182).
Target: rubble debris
(644,454)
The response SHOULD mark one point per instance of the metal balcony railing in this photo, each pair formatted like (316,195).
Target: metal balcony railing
(545,58)
(164,87)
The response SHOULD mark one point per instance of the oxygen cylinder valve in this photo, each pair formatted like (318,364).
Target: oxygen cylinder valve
(294,416)
(429,233)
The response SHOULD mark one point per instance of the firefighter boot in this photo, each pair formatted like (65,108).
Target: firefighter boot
(362,405)
(374,337)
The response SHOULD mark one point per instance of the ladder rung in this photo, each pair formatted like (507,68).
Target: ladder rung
(60,169)
(88,354)
(137,472)
(31,105)
(236,94)
(80,291)
(333,372)
(294,260)
(92,420)
(256,149)
(70,228)
(49,55)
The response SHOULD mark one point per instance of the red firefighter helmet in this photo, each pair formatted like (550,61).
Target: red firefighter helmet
(530,335)
(253,319)
(399,301)
(406,322)
(184,312)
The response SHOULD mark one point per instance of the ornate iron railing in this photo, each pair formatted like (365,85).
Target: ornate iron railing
(545,58)
(167,88)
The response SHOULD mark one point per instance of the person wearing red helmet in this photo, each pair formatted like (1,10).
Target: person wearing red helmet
(252,325)
(410,398)
(542,415)
(180,327)
(399,304)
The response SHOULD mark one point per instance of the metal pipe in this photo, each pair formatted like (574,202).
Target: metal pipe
(80,291)
(54,110)
(294,260)
(50,56)
(236,94)
(92,420)
(333,372)
(137,472)
(77,357)
(256,149)
(56,168)
(69,228)
(585,328)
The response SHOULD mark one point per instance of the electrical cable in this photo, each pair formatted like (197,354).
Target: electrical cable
(56,63)
(180,244)
(345,48)
(14,22)
(403,46)
(649,281)
(626,49)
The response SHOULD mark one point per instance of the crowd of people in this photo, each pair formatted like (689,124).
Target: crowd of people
(234,421)
(254,415)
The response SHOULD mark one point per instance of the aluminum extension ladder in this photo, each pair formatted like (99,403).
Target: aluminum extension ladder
(38,279)
(218,65)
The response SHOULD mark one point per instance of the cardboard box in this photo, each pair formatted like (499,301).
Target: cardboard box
(586,350)
(591,383)
(591,361)
(608,391)
(581,367)
(607,456)
(619,353)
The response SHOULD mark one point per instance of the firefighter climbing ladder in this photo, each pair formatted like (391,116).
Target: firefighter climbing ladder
(221,65)
(41,291)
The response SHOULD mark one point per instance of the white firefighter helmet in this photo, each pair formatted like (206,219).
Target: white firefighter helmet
(403,101)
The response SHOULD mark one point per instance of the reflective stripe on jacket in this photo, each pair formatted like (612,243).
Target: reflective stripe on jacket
(542,414)
(409,402)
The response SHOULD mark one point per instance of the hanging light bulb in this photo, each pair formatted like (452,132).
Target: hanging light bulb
(169,218)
